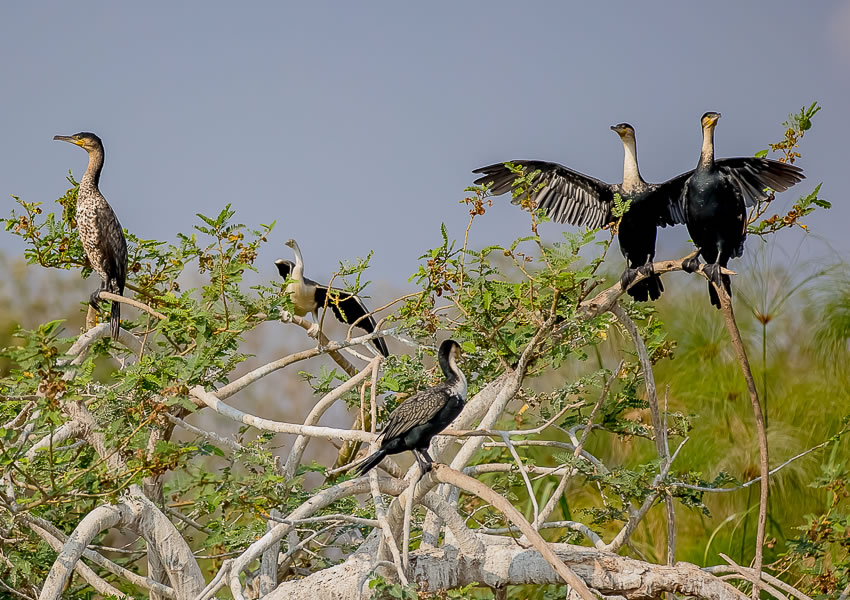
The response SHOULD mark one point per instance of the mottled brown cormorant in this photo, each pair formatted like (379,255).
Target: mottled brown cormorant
(422,416)
(309,296)
(100,232)
(715,197)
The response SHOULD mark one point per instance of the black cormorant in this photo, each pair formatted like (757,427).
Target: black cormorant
(422,416)
(100,232)
(571,197)
(309,296)
(715,197)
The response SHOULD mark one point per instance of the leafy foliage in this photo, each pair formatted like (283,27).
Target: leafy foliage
(510,303)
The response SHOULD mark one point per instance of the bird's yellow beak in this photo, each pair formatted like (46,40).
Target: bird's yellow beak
(711,121)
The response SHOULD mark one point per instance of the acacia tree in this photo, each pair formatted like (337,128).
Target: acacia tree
(87,451)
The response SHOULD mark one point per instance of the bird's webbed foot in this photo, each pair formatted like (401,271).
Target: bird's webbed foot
(94,299)
(426,463)
(646,269)
(712,270)
(691,265)
(628,277)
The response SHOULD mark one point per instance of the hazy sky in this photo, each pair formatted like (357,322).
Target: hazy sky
(356,125)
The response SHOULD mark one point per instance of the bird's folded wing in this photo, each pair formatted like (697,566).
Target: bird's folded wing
(416,410)
(113,246)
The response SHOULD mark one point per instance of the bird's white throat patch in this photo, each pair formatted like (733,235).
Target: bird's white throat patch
(631,174)
(459,386)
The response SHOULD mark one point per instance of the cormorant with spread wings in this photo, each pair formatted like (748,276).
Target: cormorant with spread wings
(571,197)
(715,199)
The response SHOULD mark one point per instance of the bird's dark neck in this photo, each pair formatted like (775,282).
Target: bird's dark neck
(632,181)
(92,174)
(706,155)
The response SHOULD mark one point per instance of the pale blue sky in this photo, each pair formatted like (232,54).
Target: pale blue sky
(356,125)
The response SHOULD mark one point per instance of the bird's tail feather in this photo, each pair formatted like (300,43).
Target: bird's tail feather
(115,319)
(381,345)
(712,293)
(647,289)
(370,462)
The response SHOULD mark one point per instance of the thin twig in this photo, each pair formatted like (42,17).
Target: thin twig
(658,426)
(131,302)
(569,473)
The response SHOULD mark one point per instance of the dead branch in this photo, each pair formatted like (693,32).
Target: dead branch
(448,475)
(131,302)
(658,426)
(764,484)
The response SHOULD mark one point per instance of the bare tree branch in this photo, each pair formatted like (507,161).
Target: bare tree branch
(448,475)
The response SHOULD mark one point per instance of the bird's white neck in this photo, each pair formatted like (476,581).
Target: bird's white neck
(706,155)
(298,270)
(631,173)
(459,385)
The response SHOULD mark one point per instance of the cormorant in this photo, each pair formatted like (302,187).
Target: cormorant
(571,197)
(422,416)
(309,296)
(715,197)
(100,232)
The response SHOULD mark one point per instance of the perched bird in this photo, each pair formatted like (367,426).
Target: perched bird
(422,416)
(571,197)
(715,197)
(100,232)
(309,296)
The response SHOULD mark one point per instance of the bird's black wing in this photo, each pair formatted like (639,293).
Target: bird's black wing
(416,410)
(666,200)
(567,196)
(284,267)
(348,308)
(752,175)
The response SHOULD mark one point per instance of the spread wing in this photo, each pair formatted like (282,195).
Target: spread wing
(567,196)
(667,200)
(749,174)
(348,309)
(416,410)
(752,175)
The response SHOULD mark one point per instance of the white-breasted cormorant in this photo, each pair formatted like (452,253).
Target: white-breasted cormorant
(422,416)
(571,197)
(100,232)
(715,197)
(309,296)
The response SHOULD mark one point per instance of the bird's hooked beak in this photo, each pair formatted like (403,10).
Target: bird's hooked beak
(622,130)
(710,120)
(68,138)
